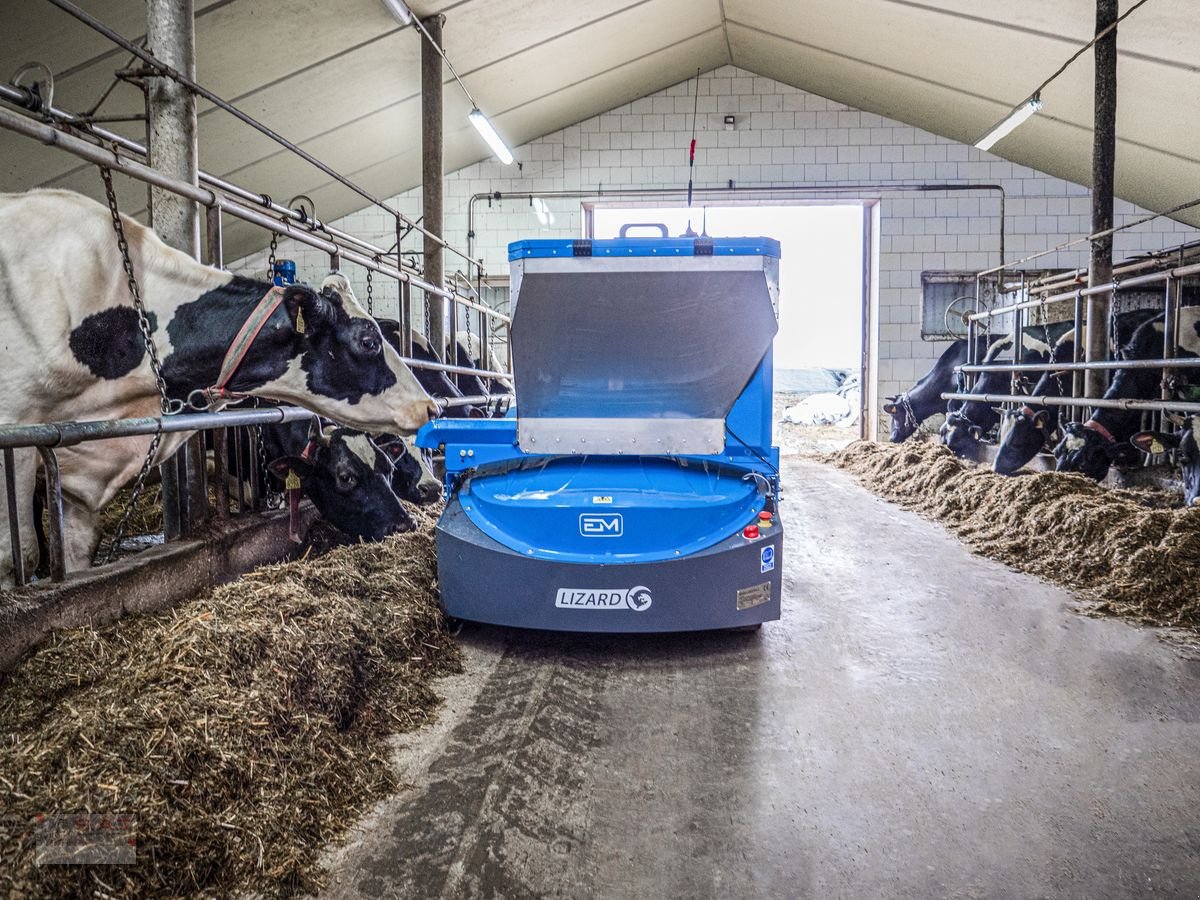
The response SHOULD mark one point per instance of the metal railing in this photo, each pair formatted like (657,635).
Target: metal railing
(23,112)
(1167,268)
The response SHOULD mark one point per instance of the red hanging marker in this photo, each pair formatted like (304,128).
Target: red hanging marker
(692,154)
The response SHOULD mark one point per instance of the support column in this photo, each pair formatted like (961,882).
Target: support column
(171,141)
(431,175)
(1104,152)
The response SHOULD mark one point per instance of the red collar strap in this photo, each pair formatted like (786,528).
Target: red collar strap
(245,338)
(1093,425)
(309,449)
(1027,411)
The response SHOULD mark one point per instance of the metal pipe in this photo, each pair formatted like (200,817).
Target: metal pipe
(453,370)
(860,188)
(431,172)
(26,100)
(52,136)
(14,526)
(1092,366)
(1137,280)
(1050,282)
(476,400)
(1096,403)
(67,434)
(54,535)
(163,69)
(221,471)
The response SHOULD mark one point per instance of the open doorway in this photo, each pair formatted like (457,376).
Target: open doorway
(819,351)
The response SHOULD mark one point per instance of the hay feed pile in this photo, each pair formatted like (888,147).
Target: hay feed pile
(245,729)
(1125,551)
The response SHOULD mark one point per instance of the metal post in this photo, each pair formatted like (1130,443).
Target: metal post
(54,535)
(1104,147)
(431,175)
(14,526)
(1073,413)
(171,130)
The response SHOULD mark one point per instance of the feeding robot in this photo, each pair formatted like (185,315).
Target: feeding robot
(633,486)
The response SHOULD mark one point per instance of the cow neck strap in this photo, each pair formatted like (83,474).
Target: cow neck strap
(245,338)
(1093,425)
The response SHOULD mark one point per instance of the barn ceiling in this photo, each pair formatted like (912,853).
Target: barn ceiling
(342,79)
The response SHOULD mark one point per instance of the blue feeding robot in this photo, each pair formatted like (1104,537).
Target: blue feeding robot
(634,487)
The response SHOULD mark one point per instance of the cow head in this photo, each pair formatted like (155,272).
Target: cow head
(343,369)
(1022,436)
(1183,446)
(1085,451)
(412,480)
(961,435)
(903,422)
(349,480)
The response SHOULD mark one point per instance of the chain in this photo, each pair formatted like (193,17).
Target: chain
(164,402)
(909,414)
(370,291)
(271,257)
(166,407)
(428,316)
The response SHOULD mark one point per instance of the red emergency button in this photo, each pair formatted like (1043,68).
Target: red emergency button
(765,515)
(750,531)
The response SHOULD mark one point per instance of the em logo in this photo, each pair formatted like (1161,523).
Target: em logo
(601,524)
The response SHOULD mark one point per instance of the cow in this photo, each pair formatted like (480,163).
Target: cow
(347,477)
(1104,439)
(1025,431)
(73,349)
(924,399)
(1183,447)
(1093,446)
(437,384)
(967,422)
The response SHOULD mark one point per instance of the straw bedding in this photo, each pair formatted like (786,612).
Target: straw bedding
(1126,552)
(245,729)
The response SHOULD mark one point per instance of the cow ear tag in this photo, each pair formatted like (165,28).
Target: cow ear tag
(300,321)
(292,482)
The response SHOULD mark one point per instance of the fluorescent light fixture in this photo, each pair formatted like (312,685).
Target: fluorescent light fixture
(1015,118)
(399,10)
(484,127)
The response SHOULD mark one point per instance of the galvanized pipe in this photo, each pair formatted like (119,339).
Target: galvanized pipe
(14,528)
(55,137)
(1100,365)
(67,434)
(54,536)
(1137,280)
(1086,402)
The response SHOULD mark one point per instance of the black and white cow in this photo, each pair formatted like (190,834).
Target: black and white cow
(1183,447)
(969,421)
(73,349)
(1025,431)
(348,478)
(437,384)
(924,399)
(1104,439)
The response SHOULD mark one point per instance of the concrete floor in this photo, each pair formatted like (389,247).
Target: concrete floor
(921,723)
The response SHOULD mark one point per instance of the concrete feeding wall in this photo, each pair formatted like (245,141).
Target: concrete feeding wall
(783,136)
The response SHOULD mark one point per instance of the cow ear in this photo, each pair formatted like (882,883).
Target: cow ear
(976,432)
(1152,442)
(280,467)
(307,309)
(889,408)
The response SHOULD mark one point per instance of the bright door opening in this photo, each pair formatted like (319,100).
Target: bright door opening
(819,351)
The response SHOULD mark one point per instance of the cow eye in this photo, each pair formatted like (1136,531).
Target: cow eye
(369,344)
(347,480)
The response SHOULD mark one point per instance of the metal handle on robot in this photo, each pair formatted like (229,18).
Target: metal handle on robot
(659,225)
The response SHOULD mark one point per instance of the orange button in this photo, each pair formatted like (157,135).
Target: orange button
(750,531)
(765,516)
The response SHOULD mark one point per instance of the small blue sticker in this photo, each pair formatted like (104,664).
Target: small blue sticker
(767,558)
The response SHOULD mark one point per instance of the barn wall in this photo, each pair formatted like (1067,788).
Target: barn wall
(783,136)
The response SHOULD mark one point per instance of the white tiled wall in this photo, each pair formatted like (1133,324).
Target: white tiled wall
(783,136)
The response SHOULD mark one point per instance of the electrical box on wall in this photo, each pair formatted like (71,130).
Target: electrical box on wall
(945,296)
